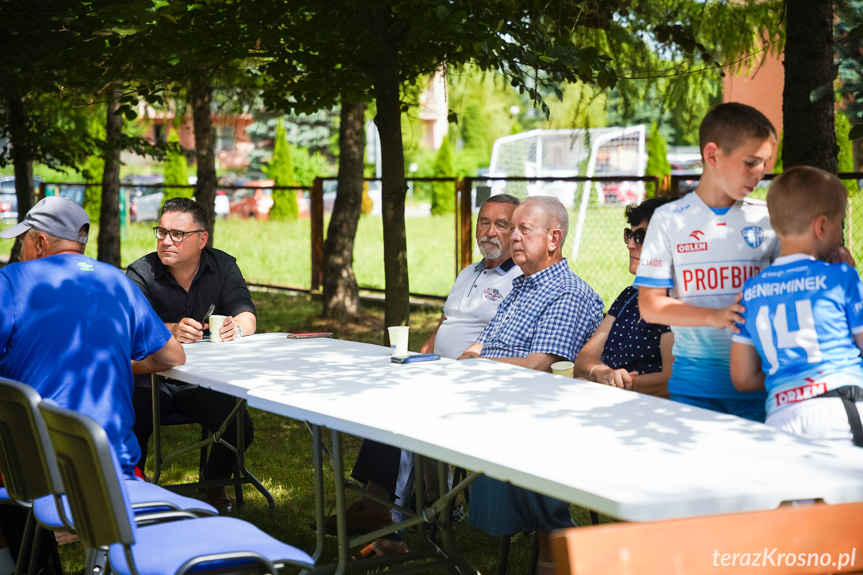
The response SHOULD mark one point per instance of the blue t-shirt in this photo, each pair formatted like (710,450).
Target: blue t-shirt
(800,316)
(70,327)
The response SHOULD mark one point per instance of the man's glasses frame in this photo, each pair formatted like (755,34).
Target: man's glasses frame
(637,235)
(177,236)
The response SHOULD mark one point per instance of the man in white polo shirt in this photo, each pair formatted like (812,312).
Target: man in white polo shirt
(478,291)
(480,287)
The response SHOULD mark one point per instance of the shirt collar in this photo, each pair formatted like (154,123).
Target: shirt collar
(205,264)
(502,269)
(547,273)
(791,258)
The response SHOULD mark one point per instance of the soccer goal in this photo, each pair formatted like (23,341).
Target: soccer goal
(588,153)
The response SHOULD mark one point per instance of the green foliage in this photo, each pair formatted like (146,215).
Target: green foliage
(281,170)
(443,193)
(657,157)
(846,151)
(849,36)
(176,171)
(308,166)
(778,166)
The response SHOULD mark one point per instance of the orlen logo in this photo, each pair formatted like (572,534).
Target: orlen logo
(696,235)
(801,393)
(693,247)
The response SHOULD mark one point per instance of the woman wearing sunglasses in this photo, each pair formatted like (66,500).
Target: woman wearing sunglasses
(625,351)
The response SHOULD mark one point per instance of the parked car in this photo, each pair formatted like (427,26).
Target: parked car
(9,198)
(254,200)
(223,204)
(145,197)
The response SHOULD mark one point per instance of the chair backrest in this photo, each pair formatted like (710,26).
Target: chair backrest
(814,539)
(26,461)
(92,477)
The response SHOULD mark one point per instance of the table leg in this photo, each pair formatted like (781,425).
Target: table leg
(320,519)
(341,521)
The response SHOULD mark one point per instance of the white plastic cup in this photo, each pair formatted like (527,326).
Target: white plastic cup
(216,322)
(563,368)
(399,340)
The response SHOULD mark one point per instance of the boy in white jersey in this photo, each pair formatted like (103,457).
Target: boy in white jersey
(698,252)
(804,317)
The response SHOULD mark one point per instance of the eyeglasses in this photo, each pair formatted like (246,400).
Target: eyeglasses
(177,236)
(637,235)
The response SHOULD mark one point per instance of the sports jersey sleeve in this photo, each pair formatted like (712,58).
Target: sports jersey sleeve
(853,299)
(654,268)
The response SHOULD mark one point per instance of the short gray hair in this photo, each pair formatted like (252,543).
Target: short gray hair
(555,212)
(501,199)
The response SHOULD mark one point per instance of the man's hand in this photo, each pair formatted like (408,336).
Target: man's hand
(187,330)
(229,329)
(614,377)
(727,317)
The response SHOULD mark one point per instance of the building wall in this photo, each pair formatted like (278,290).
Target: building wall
(759,84)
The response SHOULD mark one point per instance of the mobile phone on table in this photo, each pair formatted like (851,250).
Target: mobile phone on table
(310,335)
(416,357)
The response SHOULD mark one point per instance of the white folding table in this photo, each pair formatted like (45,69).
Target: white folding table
(623,454)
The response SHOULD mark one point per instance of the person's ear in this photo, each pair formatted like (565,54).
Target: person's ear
(41,245)
(554,239)
(710,153)
(819,226)
(204,237)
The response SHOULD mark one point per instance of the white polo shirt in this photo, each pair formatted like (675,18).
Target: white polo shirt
(471,304)
(705,257)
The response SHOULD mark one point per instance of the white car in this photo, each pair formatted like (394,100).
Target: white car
(223,204)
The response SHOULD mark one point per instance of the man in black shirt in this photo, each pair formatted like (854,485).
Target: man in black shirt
(181,279)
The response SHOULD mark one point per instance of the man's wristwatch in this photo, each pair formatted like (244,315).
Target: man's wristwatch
(239,332)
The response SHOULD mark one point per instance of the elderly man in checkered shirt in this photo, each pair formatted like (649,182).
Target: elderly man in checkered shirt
(551,312)
(547,317)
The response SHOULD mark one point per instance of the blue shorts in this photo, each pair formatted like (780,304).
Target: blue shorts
(752,409)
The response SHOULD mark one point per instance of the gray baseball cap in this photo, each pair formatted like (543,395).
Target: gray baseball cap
(55,216)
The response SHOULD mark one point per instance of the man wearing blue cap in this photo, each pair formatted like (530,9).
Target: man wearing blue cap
(75,329)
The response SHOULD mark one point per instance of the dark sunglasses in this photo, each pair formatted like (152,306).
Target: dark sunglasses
(637,235)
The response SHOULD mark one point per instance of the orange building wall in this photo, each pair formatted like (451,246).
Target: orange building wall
(760,87)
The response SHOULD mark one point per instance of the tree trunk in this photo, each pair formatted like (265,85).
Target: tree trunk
(205,190)
(808,126)
(109,214)
(23,164)
(394,188)
(340,294)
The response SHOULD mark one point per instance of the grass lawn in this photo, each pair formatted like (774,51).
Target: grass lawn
(281,453)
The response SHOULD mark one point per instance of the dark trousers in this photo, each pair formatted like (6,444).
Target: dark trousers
(379,463)
(204,406)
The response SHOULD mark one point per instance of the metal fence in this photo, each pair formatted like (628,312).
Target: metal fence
(594,246)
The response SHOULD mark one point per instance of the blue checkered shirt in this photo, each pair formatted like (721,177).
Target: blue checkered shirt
(552,311)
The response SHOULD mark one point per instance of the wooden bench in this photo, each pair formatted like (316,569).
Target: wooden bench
(786,540)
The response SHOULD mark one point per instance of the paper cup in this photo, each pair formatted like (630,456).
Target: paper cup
(563,368)
(399,340)
(216,322)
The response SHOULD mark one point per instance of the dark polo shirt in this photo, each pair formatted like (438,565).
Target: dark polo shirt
(218,281)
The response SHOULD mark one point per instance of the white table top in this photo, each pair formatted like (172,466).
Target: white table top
(620,453)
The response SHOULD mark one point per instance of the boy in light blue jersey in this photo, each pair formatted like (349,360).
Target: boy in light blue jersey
(698,252)
(803,330)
